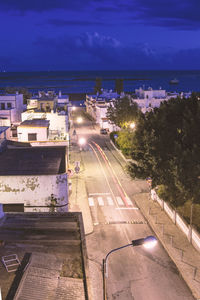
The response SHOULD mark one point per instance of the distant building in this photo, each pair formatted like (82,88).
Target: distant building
(96,106)
(11,107)
(47,102)
(34,177)
(147,99)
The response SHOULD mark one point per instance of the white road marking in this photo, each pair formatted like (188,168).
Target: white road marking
(98,194)
(91,201)
(119,201)
(100,200)
(128,200)
(126,208)
(110,201)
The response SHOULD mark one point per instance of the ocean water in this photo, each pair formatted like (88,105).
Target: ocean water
(84,81)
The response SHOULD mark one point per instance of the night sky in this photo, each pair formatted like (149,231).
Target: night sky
(99,35)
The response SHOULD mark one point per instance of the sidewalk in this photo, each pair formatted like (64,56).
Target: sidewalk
(184,255)
(78,199)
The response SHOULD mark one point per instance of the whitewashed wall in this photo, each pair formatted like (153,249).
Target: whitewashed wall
(191,233)
(57,121)
(34,190)
(22,133)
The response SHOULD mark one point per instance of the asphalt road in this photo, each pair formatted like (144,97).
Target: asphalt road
(133,272)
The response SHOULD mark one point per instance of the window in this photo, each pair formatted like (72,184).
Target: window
(9,105)
(32,136)
(2,105)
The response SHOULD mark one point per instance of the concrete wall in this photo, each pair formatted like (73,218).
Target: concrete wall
(34,190)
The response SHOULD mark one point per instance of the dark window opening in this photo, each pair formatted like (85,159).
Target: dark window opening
(32,136)
(2,105)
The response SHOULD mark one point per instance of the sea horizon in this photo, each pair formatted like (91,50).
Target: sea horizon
(84,81)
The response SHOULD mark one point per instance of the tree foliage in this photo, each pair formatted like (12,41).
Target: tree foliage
(125,141)
(122,112)
(166,147)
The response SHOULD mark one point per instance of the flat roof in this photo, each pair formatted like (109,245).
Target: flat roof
(33,161)
(35,123)
(47,98)
(50,250)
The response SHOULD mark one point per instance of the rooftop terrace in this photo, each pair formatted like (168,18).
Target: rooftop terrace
(52,253)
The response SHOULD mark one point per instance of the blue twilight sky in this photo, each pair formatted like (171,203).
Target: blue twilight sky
(99,34)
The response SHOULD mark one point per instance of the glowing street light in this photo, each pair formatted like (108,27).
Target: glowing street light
(82,141)
(73,108)
(132,125)
(79,120)
(148,243)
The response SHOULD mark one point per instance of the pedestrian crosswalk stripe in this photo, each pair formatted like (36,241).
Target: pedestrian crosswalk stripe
(110,201)
(128,200)
(100,200)
(91,201)
(119,201)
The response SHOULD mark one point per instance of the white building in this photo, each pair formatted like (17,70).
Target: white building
(58,122)
(33,176)
(96,106)
(48,101)
(33,130)
(147,99)
(11,107)
(150,93)
(62,100)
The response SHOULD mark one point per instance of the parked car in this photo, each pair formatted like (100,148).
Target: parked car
(103,131)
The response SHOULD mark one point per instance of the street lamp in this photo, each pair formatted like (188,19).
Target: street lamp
(79,120)
(81,142)
(148,243)
(132,125)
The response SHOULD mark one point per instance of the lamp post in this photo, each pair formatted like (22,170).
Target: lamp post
(148,242)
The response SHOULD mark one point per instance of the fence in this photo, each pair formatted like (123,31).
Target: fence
(191,233)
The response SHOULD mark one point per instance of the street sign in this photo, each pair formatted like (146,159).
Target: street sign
(77,169)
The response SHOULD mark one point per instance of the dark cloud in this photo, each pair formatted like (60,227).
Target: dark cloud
(95,51)
(42,5)
(173,14)
(62,23)
(98,51)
